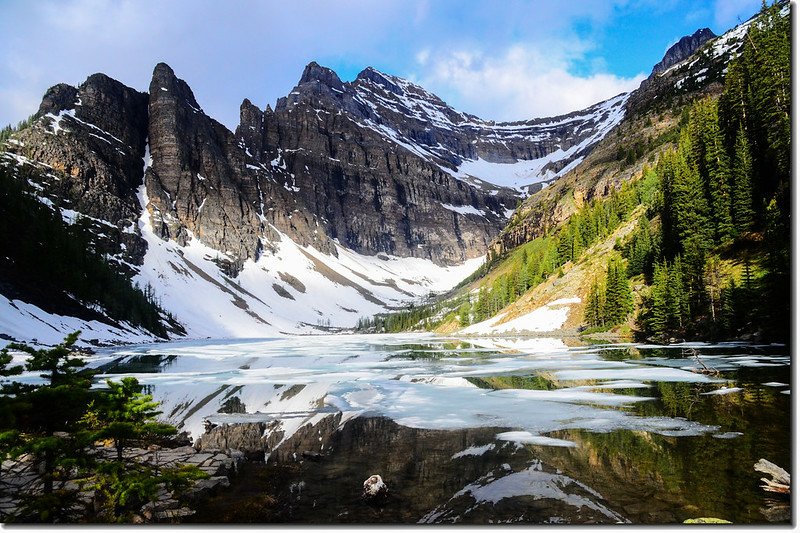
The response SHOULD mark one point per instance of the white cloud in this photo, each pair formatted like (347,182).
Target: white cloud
(519,83)
(423,56)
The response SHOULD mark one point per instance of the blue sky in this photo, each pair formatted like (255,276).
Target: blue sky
(502,60)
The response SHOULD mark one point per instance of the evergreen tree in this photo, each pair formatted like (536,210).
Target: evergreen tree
(618,296)
(742,198)
(715,169)
(639,251)
(49,426)
(47,421)
(658,321)
(593,313)
(124,413)
(714,284)
(686,211)
(56,406)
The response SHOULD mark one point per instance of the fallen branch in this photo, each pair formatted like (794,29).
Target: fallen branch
(705,370)
(781,480)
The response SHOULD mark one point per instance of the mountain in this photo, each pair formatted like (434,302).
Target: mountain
(687,195)
(685,47)
(346,200)
(651,116)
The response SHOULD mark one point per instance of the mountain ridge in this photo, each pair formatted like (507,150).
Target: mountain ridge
(184,206)
(378,167)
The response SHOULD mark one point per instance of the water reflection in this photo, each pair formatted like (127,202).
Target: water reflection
(663,433)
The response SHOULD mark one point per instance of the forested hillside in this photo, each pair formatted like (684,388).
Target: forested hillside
(717,256)
(706,251)
(54,264)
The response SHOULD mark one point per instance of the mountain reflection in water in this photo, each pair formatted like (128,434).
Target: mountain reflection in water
(481,430)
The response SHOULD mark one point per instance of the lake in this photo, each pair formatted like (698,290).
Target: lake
(482,430)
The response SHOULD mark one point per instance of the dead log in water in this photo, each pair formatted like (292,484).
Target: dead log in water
(781,480)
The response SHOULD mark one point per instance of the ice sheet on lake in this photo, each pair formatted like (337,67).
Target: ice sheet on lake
(524,437)
(422,381)
(722,390)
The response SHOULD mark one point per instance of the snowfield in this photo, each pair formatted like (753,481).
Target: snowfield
(547,318)
(293,290)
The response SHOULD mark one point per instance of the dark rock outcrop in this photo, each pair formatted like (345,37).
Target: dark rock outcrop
(89,141)
(683,49)
(202,182)
(247,437)
(372,164)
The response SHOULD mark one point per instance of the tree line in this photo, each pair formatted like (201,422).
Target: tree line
(725,200)
(56,259)
(55,425)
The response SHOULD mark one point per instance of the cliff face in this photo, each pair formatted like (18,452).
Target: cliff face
(380,162)
(378,165)
(685,47)
(201,182)
(346,200)
(371,193)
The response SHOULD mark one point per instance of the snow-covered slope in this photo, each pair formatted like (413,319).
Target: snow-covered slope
(294,289)
(375,195)
(26,322)
(504,154)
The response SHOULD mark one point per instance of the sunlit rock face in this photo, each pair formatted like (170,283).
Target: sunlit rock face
(684,48)
(378,165)
(86,150)
(388,166)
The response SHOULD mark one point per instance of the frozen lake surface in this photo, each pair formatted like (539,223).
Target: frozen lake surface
(560,401)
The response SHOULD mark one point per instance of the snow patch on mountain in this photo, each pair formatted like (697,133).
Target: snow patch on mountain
(386,95)
(28,323)
(549,317)
(292,290)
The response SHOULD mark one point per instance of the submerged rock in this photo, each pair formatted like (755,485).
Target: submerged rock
(375,490)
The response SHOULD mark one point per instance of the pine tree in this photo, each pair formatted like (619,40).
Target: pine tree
(618,296)
(56,406)
(713,282)
(658,321)
(639,251)
(687,221)
(677,297)
(742,197)
(717,167)
(593,313)
(124,413)
(728,308)
(47,429)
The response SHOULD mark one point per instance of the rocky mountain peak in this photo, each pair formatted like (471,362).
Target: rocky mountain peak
(248,111)
(316,73)
(251,128)
(166,84)
(163,75)
(114,108)
(379,78)
(684,48)
(58,98)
